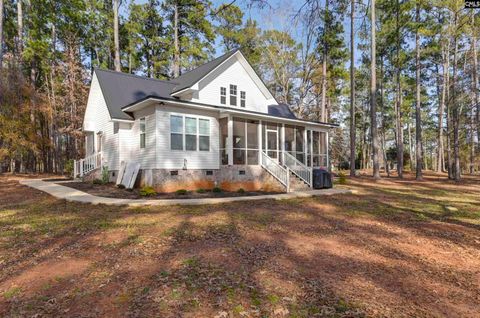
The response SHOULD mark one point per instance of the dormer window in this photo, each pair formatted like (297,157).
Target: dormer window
(242,98)
(233,95)
(223,95)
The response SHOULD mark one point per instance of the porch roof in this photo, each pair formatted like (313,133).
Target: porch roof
(274,116)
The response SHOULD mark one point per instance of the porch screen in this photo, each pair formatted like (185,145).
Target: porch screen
(294,141)
(317,148)
(245,142)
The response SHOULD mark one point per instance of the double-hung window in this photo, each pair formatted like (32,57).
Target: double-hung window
(176,132)
(233,95)
(189,133)
(223,95)
(203,134)
(243,98)
(142,132)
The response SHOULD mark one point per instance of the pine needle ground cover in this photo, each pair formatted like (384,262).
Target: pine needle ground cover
(395,248)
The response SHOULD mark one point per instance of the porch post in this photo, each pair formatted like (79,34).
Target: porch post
(282,143)
(328,152)
(311,148)
(230,140)
(260,141)
(305,145)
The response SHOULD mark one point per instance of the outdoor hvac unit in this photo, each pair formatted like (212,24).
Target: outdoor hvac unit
(321,179)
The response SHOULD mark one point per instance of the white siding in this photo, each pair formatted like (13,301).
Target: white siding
(232,72)
(174,159)
(97,119)
(130,140)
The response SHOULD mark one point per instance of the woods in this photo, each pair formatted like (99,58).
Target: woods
(400,77)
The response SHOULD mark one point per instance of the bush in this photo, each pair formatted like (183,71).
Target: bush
(241,190)
(181,192)
(68,169)
(105,177)
(201,191)
(216,190)
(97,181)
(120,186)
(342,179)
(147,191)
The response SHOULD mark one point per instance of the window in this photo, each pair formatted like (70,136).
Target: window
(176,132)
(203,134)
(223,95)
(116,126)
(242,98)
(192,132)
(233,95)
(142,132)
(245,142)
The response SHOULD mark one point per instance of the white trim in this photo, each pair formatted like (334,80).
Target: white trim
(130,121)
(138,106)
(180,92)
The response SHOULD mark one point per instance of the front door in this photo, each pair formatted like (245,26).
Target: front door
(272,144)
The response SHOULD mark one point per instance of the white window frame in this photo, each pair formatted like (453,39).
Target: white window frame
(243,99)
(184,132)
(233,93)
(223,95)
(143,136)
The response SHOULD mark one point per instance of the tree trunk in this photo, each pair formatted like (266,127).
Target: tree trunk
(410,147)
(116,4)
(176,55)
(455,112)
(398,102)
(382,109)
(441,110)
(1,33)
(352,90)
(324,66)
(475,78)
(418,109)
(373,96)
(19,29)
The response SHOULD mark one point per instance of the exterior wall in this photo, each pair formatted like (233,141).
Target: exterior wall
(174,159)
(227,177)
(97,119)
(129,143)
(232,72)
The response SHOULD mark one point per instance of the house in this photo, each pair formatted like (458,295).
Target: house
(217,125)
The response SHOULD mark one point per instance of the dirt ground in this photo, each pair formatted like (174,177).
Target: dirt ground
(393,249)
(109,190)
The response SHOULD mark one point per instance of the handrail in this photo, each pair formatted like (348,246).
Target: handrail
(280,173)
(83,166)
(298,168)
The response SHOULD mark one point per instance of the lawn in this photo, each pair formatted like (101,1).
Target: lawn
(394,248)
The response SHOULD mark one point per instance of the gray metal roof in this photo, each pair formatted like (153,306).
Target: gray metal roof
(121,89)
(188,79)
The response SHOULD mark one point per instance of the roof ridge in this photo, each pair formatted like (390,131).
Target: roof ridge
(136,76)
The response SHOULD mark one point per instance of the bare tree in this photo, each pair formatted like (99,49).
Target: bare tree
(352,89)
(373,96)
(116,5)
(1,33)
(418,116)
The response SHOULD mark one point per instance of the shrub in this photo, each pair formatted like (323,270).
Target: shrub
(97,181)
(342,179)
(147,191)
(216,190)
(68,169)
(181,192)
(241,190)
(201,191)
(105,177)
(120,186)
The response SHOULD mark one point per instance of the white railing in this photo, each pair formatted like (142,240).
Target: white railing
(298,168)
(83,166)
(280,173)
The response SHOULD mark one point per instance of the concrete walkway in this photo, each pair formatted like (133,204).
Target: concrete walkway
(73,195)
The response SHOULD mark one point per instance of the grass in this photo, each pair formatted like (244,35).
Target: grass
(405,242)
